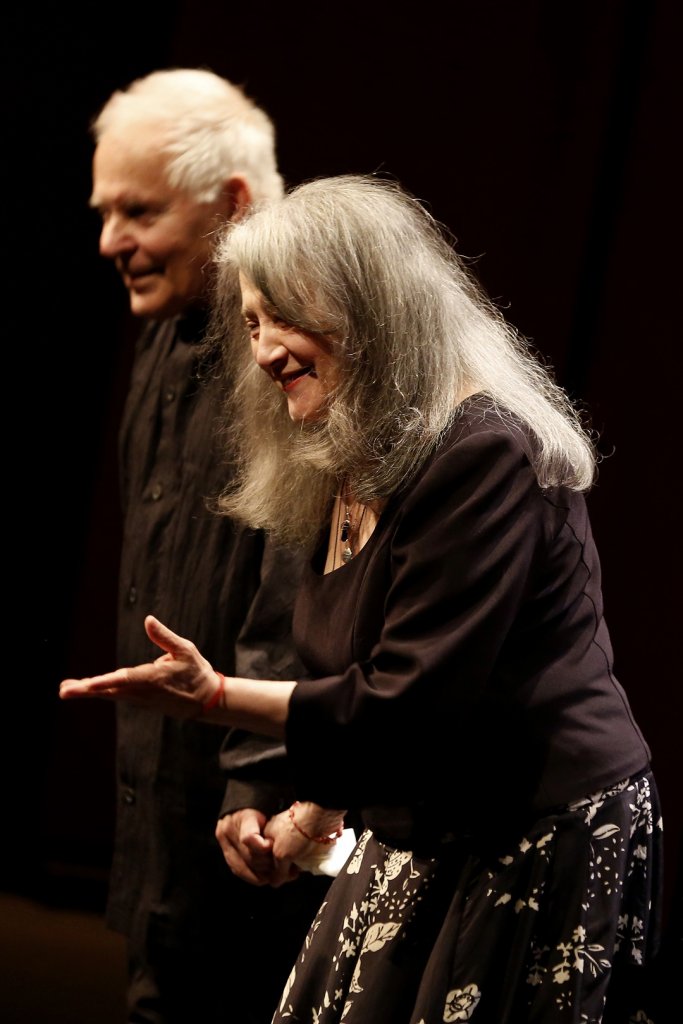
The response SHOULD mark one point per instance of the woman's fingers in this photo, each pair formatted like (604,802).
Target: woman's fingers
(165,638)
(142,680)
(177,682)
(93,685)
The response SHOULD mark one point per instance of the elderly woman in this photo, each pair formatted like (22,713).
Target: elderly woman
(460,697)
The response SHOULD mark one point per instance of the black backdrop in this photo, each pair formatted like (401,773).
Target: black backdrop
(542,133)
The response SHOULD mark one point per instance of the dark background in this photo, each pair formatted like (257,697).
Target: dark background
(543,134)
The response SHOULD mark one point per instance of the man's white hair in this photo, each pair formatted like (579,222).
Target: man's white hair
(209,127)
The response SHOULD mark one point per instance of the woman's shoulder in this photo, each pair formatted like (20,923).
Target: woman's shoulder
(484,448)
(482,423)
(489,447)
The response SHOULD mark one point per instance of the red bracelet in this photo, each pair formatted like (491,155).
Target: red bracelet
(214,699)
(325,840)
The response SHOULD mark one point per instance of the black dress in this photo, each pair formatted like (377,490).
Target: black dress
(462,700)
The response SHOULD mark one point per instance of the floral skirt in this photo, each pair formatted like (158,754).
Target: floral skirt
(558,929)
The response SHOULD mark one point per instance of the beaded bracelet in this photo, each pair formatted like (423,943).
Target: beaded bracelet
(325,840)
(215,698)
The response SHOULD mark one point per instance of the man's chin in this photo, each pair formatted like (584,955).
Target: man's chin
(152,304)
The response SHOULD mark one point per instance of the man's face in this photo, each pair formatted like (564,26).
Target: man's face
(159,237)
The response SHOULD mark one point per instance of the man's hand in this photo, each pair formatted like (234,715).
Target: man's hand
(248,853)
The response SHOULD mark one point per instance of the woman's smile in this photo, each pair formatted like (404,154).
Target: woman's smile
(301,363)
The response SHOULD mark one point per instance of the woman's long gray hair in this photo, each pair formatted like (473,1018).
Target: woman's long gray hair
(360,261)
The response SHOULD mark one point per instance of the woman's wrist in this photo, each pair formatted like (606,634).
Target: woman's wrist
(255,705)
(216,698)
(315,823)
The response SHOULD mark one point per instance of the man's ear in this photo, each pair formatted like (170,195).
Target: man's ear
(236,193)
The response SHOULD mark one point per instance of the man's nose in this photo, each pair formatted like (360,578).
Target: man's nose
(115,237)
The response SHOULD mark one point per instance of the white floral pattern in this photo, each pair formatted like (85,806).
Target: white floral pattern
(366,929)
(503,906)
(461,1003)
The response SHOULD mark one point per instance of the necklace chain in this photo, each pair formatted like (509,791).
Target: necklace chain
(345,536)
(348,529)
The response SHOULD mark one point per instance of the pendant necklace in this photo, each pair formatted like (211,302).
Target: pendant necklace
(347,527)
(345,537)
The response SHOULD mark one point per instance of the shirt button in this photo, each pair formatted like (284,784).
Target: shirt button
(169,395)
(157,491)
(128,795)
(132,595)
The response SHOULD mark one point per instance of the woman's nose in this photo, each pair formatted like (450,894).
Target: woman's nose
(269,351)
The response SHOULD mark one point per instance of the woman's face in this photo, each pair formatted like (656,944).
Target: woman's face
(301,364)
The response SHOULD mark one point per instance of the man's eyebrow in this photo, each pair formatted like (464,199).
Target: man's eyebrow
(97,203)
(126,200)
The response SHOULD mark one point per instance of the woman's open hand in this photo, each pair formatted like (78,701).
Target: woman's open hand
(178,683)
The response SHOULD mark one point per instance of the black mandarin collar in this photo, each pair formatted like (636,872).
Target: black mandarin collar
(192,325)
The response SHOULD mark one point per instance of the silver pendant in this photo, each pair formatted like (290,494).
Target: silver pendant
(347,554)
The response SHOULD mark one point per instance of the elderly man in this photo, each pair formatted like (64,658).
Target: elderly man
(178,155)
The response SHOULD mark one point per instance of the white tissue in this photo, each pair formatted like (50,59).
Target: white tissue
(329,860)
